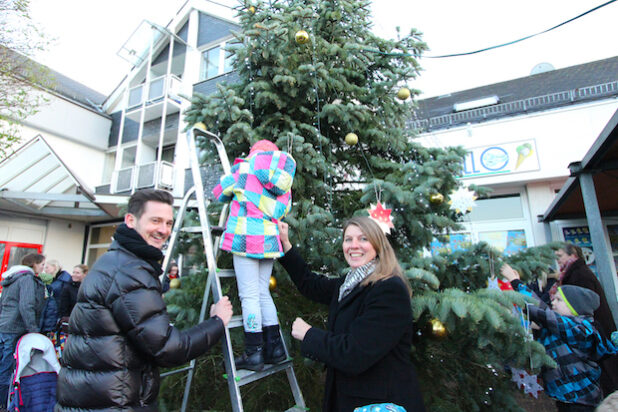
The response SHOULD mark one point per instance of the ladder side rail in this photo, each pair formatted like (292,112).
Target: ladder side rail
(175,232)
(207,241)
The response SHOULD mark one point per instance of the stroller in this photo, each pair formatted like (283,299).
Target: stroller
(36,373)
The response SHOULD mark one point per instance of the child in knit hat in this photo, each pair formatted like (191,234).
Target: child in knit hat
(259,189)
(569,336)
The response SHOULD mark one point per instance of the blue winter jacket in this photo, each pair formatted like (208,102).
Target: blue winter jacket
(576,346)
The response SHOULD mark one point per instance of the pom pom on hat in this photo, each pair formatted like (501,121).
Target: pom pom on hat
(263,146)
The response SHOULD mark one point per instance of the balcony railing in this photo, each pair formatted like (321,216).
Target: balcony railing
(156,90)
(158,175)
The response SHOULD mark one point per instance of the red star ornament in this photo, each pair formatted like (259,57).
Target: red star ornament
(382,216)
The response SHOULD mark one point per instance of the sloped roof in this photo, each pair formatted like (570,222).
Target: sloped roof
(601,161)
(54,81)
(584,82)
(35,181)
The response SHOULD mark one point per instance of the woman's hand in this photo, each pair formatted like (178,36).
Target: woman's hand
(284,236)
(509,273)
(299,329)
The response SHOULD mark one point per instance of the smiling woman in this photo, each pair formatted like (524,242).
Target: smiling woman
(366,348)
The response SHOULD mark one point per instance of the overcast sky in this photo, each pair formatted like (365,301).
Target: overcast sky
(88,34)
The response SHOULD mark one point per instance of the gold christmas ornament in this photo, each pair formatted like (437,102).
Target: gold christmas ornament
(437,329)
(351,139)
(301,37)
(436,198)
(174,283)
(272,283)
(200,126)
(403,93)
(251,9)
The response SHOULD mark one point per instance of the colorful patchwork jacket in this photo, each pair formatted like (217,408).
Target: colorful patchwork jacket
(259,189)
(576,346)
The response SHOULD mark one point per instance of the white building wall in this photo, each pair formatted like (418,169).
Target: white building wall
(65,242)
(559,137)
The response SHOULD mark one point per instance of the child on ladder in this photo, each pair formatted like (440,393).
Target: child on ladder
(259,188)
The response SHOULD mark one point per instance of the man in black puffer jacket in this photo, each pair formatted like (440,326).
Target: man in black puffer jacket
(119,330)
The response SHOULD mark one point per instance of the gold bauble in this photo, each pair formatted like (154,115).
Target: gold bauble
(436,198)
(251,9)
(403,93)
(200,126)
(272,283)
(351,139)
(301,37)
(437,328)
(174,283)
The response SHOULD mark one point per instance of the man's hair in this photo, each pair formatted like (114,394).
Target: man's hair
(138,200)
(32,259)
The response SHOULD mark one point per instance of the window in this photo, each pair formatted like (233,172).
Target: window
(497,208)
(128,156)
(216,61)
(99,242)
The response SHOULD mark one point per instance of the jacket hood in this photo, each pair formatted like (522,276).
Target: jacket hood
(14,272)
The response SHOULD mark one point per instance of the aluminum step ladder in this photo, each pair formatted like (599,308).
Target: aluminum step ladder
(195,199)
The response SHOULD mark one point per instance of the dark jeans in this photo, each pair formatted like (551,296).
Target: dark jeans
(574,407)
(8,341)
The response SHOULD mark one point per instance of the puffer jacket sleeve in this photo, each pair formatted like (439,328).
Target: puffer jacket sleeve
(27,302)
(141,314)
(275,171)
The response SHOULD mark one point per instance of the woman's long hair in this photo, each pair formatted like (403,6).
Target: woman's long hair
(387,265)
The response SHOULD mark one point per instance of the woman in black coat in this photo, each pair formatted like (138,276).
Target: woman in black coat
(68,298)
(366,348)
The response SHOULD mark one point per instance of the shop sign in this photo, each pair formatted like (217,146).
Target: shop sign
(503,158)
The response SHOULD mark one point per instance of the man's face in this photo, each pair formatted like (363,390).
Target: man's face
(155,224)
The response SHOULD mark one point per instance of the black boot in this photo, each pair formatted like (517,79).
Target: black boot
(253,357)
(273,347)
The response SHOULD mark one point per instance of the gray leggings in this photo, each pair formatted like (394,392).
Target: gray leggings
(253,277)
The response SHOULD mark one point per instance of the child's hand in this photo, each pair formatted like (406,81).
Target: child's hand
(509,273)
(284,236)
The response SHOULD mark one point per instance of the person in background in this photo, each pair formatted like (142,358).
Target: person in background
(120,331)
(172,273)
(575,271)
(366,348)
(69,292)
(570,338)
(21,303)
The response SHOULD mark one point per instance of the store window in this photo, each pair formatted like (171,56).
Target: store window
(99,241)
(451,243)
(497,208)
(507,242)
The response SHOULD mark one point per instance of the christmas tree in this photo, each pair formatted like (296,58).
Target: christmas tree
(315,80)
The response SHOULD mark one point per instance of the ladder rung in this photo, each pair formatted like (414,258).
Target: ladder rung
(246,376)
(175,371)
(235,322)
(217,230)
(225,273)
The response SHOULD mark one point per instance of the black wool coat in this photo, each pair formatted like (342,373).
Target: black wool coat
(366,348)
(579,274)
(120,334)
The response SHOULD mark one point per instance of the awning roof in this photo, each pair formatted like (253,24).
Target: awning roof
(602,162)
(35,181)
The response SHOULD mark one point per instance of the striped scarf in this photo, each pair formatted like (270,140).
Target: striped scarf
(356,276)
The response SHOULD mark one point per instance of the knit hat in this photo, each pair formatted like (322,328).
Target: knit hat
(263,146)
(580,301)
